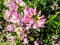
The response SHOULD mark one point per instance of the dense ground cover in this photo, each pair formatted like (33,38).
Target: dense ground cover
(29,22)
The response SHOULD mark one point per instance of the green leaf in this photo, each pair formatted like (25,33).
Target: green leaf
(53,17)
(31,38)
(57,23)
(0,43)
(1,0)
(1,15)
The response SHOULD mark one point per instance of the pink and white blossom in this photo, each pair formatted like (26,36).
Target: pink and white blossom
(11,27)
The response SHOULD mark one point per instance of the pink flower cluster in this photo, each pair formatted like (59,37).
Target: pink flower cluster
(21,24)
(33,20)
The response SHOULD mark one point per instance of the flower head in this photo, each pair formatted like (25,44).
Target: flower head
(12,6)
(11,27)
(31,16)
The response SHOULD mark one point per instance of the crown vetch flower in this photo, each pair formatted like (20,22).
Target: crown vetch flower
(31,16)
(36,42)
(12,16)
(15,17)
(12,39)
(12,6)
(21,24)
(7,15)
(11,27)
(20,3)
(26,41)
